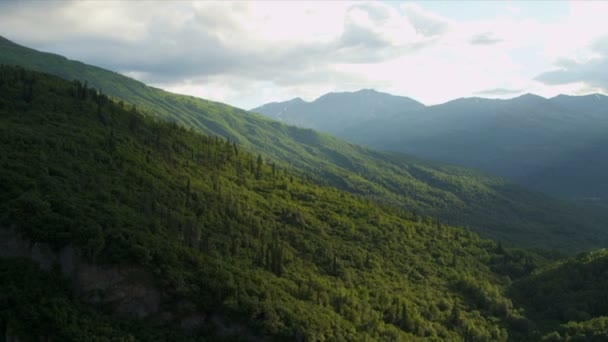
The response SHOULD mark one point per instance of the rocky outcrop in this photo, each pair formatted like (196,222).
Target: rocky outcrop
(6,333)
(127,289)
(12,245)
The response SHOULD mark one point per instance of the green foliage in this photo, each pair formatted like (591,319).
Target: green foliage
(567,296)
(488,205)
(271,251)
(594,330)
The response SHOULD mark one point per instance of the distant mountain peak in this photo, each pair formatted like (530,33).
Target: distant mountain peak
(465,101)
(365,93)
(561,96)
(530,96)
(336,111)
(296,100)
(367,90)
(595,96)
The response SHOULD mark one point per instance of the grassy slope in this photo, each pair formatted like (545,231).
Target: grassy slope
(486,204)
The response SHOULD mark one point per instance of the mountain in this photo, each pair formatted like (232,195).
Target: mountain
(593,104)
(555,145)
(117,226)
(337,112)
(486,204)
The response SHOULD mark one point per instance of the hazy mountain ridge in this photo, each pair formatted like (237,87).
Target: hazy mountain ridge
(338,111)
(554,145)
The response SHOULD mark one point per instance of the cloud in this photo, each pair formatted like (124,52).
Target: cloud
(499,92)
(425,23)
(247,53)
(513,9)
(180,44)
(591,71)
(484,39)
(365,26)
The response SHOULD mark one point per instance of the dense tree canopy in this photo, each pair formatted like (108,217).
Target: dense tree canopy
(243,239)
(233,232)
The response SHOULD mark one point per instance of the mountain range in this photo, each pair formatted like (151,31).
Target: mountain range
(129,213)
(486,204)
(555,145)
(335,112)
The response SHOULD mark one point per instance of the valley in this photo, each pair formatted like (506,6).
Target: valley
(554,145)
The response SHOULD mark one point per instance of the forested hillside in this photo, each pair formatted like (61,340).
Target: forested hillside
(227,237)
(237,247)
(489,205)
(568,299)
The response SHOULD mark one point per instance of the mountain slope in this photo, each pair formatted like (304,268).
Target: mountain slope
(237,249)
(486,204)
(554,145)
(567,299)
(338,112)
(203,240)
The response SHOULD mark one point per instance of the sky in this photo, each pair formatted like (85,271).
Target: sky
(247,53)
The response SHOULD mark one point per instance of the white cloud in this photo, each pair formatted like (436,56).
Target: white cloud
(246,53)
(426,23)
(513,9)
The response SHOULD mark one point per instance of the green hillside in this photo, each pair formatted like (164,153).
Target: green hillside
(491,206)
(568,299)
(237,247)
(224,235)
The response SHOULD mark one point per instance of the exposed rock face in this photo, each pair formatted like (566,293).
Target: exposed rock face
(7,335)
(12,245)
(127,289)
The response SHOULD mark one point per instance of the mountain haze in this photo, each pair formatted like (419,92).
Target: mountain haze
(555,145)
(336,112)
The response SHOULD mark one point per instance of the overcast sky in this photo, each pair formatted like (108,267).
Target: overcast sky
(248,53)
